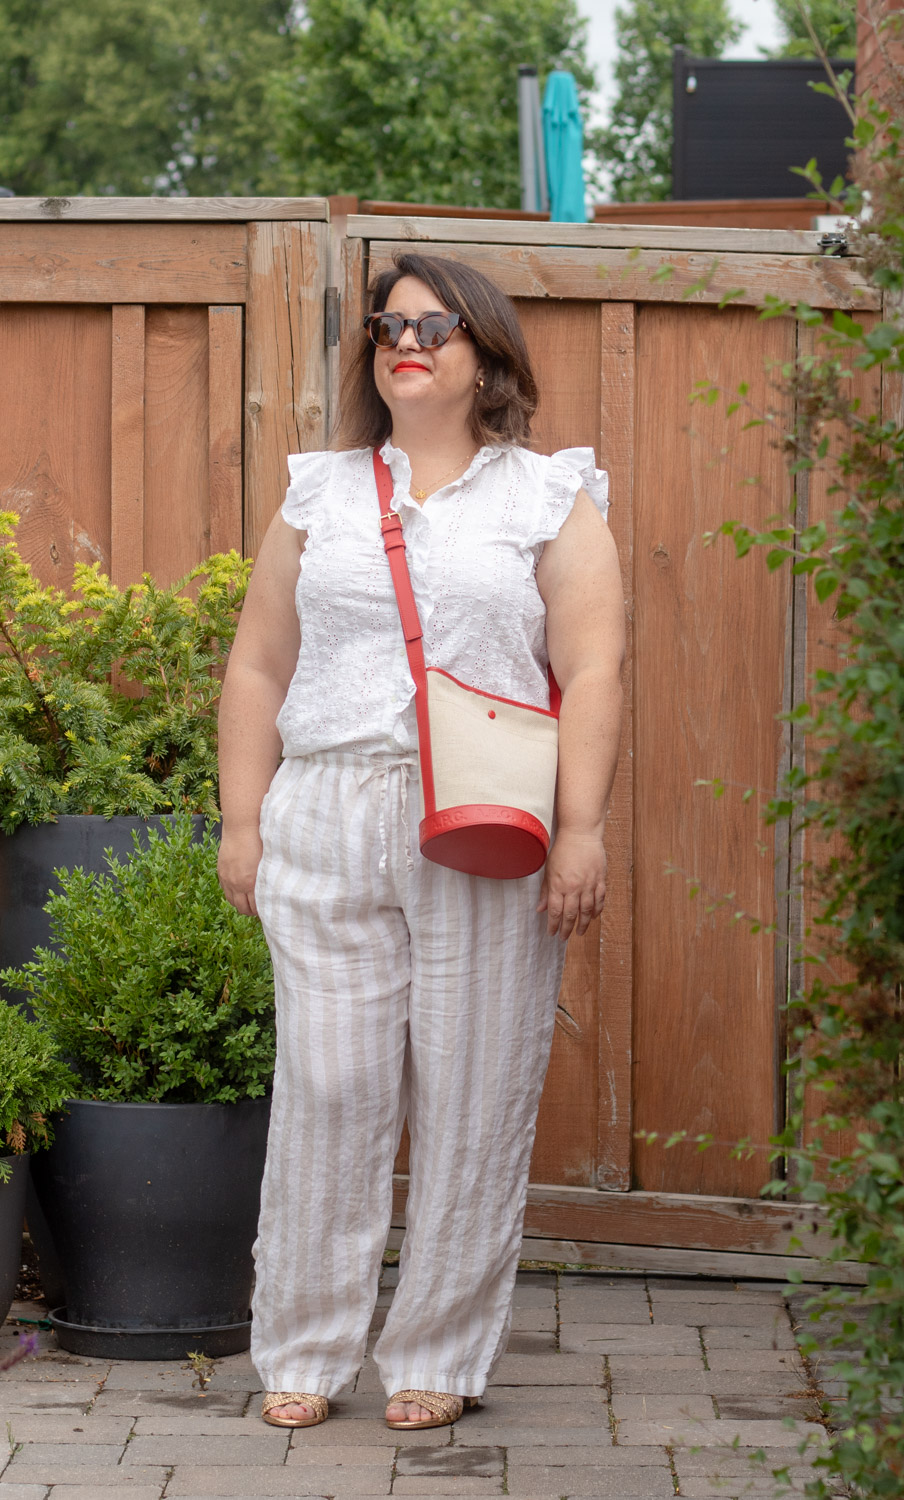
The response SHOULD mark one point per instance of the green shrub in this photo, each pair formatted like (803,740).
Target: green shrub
(847,1023)
(156,988)
(108,696)
(33,1083)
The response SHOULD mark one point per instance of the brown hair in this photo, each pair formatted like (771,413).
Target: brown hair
(505,404)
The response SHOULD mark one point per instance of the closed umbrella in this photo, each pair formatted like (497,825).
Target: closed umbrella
(563,136)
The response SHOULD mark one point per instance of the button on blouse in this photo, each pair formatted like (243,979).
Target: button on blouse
(472,551)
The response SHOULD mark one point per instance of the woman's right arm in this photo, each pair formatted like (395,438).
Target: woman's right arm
(261,665)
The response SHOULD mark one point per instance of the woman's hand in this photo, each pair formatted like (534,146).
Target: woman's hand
(237,862)
(574,883)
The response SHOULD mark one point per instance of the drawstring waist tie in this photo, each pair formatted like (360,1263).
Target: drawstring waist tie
(370,768)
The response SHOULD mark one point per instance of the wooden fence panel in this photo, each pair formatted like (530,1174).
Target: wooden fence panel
(708,684)
(688,1032)
(55,396)
(137,339)
(561,337)
(153,377)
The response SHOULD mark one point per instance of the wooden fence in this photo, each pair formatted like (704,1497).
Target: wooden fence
(159,358)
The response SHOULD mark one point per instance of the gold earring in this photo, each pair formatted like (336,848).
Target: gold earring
(480,382)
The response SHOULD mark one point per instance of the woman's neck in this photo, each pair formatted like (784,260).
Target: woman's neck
(432,450)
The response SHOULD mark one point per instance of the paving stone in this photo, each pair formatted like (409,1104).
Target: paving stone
(697,1434)
(609,1457)
(754,1359)
(70,1454)
(35,1371)
(486,1462)
(241,1484)
(650,1363)
(203,1424)
(538,1396)
(662,1408)
(447,1486)
(722,1314)
(604,1306)
(723,1291)
(124,1491)
(369,1381)
(534,1319)
(589,1479)
(531,1343)
(770,1336)
(740,1383)
(147,1403)
(100,1478)
(617,1280)
(598,1436)
(549,1369)
(34,1492)
(755,1408)
(72,1398)
(628,1338)
(64,1427)
(744,1460)
(584,1419)
(366,1455)
(251,1450)
(728,1489)
(352,1432)
(535,1296)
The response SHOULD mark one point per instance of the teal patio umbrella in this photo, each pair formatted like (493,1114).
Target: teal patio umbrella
(563,137)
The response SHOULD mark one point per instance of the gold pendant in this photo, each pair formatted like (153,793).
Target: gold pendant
(420,494)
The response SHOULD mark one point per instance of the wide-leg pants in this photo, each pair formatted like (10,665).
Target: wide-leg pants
(400,987)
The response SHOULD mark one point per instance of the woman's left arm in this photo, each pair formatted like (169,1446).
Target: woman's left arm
(580,582)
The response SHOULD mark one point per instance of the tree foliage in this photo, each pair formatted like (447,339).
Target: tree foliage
(417,99)
(139,96)
(834,22)
(636,146)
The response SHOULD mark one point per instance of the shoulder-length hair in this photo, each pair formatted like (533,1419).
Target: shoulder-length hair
(502,408)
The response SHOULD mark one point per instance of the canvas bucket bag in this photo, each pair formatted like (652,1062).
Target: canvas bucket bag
(487,763)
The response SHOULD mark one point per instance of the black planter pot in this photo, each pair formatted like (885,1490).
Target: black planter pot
(28,859)
(12,1218)
(153,1212)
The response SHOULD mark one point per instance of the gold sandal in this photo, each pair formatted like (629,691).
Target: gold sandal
(445,1408)
(295,1398)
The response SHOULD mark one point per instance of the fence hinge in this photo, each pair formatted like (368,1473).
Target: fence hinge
(834,243)
(331,316)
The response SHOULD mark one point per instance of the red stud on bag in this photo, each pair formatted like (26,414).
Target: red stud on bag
(487,775)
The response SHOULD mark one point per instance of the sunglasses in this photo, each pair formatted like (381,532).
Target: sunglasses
(431,331)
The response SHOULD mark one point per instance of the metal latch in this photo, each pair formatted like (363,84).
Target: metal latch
(834,243)
(331,316)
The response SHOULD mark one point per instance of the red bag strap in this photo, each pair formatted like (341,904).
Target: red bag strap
(394,542)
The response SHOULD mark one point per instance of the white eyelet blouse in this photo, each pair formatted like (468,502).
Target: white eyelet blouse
(472,551)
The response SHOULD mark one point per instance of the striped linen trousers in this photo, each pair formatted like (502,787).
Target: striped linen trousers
(401,988)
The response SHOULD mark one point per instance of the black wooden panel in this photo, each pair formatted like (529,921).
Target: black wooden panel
(741,126)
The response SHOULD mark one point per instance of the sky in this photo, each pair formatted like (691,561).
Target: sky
(758,16)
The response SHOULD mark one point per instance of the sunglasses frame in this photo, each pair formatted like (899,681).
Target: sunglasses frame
(455,320)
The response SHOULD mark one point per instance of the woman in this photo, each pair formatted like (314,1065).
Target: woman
(403,988)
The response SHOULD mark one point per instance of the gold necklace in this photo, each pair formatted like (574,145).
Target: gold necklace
(422,494)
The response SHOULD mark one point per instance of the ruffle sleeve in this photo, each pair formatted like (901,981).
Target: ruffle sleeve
(569,470)
(309,475)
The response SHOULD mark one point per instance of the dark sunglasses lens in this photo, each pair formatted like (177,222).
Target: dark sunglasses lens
(386,331)
(433,331)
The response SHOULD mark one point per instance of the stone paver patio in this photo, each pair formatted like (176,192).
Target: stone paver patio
(624,1387)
